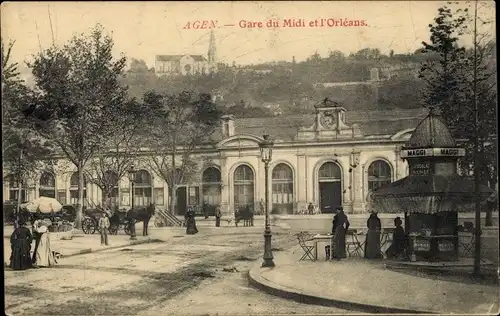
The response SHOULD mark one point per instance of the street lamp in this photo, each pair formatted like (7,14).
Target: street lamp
(131,176)
(266,151)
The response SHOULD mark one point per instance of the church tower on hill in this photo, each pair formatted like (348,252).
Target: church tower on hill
(212,53)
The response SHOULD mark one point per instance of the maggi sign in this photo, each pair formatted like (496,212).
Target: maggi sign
(433,152)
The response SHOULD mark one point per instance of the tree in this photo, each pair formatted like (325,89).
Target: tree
(115,159)
(22,151)
(442,76)
(455,80)
(178,125)
(78,92)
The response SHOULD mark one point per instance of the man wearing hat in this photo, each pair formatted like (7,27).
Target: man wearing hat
(103,228)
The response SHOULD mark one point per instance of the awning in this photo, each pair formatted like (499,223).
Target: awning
(427,194)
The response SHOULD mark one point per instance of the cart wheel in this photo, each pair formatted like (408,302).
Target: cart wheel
(127,230)
(113,230)
(88,226)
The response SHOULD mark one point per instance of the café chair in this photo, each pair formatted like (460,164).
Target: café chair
(303,238)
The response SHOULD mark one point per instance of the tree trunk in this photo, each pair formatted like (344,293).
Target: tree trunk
(79,205)
(19,189)
(173,198)
(19,201)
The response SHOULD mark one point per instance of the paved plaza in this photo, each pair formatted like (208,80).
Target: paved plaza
(364,285)
(217,271)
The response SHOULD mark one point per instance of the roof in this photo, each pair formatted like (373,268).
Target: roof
(178,57)
(431,132)
(371,123)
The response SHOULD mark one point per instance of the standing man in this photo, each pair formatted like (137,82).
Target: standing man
(103,228)
(310,208)
(218,215)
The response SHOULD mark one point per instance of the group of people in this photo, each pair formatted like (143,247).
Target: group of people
(397,249)
(190,220)
(21,241)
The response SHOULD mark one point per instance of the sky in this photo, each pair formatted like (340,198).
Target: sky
(142,30)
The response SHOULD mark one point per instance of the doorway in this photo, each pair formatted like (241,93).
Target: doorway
(181,203)
(330,196)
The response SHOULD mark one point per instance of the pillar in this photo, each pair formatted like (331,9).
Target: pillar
(397,164)
(356,184)
(224,198)
(301,181)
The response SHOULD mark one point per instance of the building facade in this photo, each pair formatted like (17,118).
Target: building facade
(325,159)
(174,65)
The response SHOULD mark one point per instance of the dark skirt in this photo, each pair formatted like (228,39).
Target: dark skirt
(372,245)
(20,259)
(191,226)
(217,222)
(339,250)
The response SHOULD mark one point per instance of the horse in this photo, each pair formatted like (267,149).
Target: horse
(142,214)
(245,214)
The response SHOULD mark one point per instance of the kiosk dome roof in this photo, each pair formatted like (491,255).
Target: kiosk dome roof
(431,132)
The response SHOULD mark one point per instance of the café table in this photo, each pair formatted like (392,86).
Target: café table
(324,238)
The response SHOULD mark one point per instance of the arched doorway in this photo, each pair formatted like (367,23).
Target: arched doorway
(112,177)
(143,188)
(47,185)
(243,187)
(379,174)
(73,189)
(282,192)
(211,188)
(330,187)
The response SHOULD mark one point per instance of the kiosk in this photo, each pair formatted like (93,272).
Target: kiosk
(432,194)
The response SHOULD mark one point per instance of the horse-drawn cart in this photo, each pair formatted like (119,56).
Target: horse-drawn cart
(117,220)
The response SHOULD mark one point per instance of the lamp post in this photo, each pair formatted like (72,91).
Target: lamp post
(131,176)
(266,150)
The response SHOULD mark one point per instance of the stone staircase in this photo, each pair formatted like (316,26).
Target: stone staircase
(164,218)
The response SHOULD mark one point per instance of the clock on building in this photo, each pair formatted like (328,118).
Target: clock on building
(327,120)
(187,68)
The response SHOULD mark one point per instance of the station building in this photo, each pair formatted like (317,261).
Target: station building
(330,158)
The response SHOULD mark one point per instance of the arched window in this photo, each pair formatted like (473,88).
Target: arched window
(329,171)
(282,197)
(14,189)
(47,185)
(243,187)
(111,177)
(143,188)
(379,174)
(211,188)
(330,187)
(73,189)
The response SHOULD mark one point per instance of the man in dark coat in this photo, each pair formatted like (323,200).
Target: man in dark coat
(218,215)
(339,229)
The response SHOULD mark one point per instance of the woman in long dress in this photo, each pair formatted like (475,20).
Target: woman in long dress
(372,245)
(44,254)
(20,241)
(190,222)
(340,226)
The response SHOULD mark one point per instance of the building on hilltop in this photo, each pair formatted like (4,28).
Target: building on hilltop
(174,65)
(331,158)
